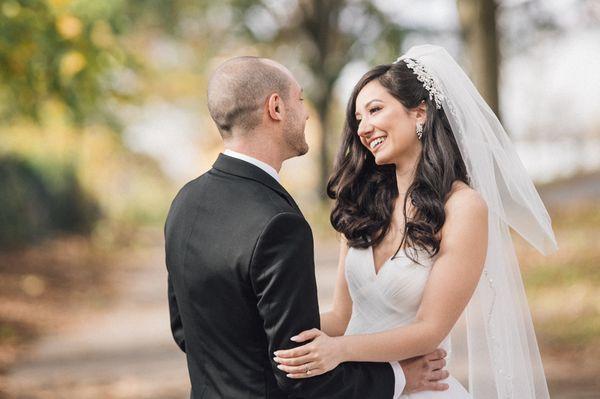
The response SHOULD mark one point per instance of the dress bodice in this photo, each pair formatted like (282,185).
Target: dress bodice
(391,298)
(388,298)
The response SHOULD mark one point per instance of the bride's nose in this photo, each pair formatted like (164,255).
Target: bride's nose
(364,128)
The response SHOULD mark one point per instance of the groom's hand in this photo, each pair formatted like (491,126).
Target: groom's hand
(423,373)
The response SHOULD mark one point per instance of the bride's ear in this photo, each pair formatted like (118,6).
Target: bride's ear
(421,112)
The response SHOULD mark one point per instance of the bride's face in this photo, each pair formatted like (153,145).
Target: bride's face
(385,126)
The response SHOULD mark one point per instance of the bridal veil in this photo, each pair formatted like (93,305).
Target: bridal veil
(503,355)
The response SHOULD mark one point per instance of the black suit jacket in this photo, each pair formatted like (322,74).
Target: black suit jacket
(241,282)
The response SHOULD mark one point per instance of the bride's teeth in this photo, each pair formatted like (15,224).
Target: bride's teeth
(376,142)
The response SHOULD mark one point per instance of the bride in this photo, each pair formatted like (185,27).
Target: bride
(426,185)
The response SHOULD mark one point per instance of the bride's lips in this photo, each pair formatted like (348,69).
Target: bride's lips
(375,143)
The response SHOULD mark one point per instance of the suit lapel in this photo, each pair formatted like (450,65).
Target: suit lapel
(246,170)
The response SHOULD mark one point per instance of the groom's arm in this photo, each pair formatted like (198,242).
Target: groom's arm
(283,278)
(176,325)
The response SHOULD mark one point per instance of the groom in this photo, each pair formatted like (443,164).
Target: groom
(240,255)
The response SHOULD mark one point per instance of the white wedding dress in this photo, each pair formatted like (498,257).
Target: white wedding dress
(500,347)
(389,299)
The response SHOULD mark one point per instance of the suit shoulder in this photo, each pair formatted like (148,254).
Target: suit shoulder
(286,221)
(284,232)
(251,193)
(218,192)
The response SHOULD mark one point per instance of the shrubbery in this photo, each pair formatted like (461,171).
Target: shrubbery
(38,200)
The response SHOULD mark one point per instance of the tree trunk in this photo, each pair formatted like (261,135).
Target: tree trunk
(320,22)
(324,159)
(478,22)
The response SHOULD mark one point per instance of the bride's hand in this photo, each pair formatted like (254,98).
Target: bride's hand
(321,355)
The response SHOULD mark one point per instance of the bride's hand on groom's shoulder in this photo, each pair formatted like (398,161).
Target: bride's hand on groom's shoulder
(322,354)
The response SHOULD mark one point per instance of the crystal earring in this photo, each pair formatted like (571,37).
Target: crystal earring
(419,130)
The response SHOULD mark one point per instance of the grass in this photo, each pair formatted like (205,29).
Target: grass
(576,333)
(564,288)
(583,269)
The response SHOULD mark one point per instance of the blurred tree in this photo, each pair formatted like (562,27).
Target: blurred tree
(64,51)
(333,33)
(66,65)
(40,200)
(320,36)
(495,29)
(478,22)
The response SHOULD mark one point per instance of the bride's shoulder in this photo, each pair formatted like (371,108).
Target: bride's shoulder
(464,198)
(466,221)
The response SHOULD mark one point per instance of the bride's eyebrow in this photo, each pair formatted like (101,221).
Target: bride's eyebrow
(356,114)
(372,101)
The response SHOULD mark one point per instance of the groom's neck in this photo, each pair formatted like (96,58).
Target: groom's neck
(263,151)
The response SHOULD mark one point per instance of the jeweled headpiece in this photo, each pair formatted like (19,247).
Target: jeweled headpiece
(428,80)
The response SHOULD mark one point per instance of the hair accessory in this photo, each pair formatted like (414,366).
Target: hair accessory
(429,82)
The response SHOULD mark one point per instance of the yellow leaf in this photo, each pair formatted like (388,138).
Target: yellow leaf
(69,26)
(71,63)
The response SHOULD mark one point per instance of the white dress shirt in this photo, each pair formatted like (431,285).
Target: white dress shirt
(260,164)
(400,379)
(398,373)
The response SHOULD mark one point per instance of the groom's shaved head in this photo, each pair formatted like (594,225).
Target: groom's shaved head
(238,89)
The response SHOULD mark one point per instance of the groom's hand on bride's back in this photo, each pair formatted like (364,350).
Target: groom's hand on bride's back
(423,373)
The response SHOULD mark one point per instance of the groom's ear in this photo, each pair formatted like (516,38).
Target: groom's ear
(275,107)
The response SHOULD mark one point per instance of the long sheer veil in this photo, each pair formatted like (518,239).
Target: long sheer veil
(503,355)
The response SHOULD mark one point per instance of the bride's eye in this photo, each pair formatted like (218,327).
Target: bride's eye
(374,109)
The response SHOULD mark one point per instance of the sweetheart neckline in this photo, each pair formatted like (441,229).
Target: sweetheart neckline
(400,255)
(374,266)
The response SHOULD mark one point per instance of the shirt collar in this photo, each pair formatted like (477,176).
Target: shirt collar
(260,164)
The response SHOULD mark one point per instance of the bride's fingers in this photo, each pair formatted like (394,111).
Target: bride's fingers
(311,367)
(437,364)
(296,352)
(436,355)
(439,375)
(295,361)
(306,335)
(313,373)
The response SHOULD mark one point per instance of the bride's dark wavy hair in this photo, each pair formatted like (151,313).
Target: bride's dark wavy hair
(364,192)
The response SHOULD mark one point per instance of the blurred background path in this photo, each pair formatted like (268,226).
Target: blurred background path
(114,352)
(125,351)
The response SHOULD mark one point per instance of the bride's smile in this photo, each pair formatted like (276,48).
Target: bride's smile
(386,127)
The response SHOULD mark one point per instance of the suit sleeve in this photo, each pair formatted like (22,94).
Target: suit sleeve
(283,278)
(176,325)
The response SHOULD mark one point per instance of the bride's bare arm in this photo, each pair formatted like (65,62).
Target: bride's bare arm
(334,322)
(451,283)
